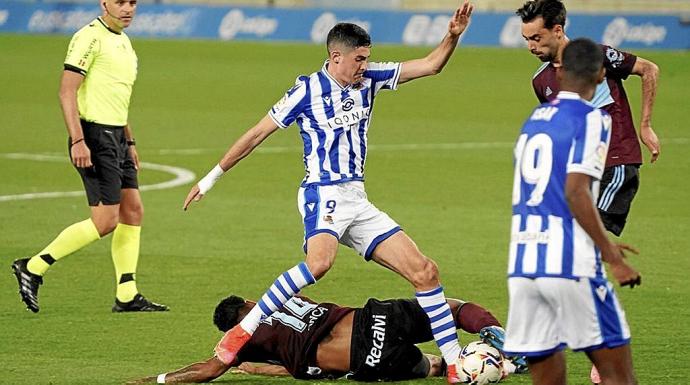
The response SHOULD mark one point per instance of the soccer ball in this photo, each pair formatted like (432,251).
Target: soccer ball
(480,364)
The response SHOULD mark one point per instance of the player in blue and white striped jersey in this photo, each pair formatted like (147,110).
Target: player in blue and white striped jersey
(559,295)
(333,110)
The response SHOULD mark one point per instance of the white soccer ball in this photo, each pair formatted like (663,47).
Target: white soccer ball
(480,364)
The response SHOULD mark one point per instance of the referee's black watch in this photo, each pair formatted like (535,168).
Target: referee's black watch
(132,142)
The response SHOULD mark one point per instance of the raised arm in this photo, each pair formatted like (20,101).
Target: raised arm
(582,206)
(200,372)
(238,151)
(649,72)
(434,62)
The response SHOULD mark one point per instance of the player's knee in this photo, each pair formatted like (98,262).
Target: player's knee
(132,214)
(106,224)
(319,266)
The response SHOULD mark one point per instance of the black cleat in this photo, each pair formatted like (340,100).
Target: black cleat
(139,303)
(28,284)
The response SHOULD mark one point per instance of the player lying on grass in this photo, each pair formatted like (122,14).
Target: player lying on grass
(310,340)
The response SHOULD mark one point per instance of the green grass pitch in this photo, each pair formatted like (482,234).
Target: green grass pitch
(440,164)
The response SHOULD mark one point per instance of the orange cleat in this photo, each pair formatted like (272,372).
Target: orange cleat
(452,375)
(231,343)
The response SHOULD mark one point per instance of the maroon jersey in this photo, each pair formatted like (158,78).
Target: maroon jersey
(290,337)
(610,96)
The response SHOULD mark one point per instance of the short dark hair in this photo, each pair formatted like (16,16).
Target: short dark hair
(227,312)
(583,60)
(552,11)
(349,35)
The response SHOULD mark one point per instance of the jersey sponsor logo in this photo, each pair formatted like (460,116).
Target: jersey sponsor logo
(378,333)
(349,120)
(315,315)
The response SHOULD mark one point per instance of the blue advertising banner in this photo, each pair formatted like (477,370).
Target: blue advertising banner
(312,25)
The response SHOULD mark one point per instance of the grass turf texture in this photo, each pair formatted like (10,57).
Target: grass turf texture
(202,95)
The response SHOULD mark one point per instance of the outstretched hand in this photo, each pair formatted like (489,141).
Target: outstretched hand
(194,195)
(461,18)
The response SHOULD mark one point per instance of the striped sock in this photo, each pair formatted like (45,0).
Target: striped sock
(285,286)
(442,324)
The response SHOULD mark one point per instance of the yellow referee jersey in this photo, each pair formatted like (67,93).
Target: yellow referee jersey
(109,65)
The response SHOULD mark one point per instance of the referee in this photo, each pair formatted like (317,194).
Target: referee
(95,89)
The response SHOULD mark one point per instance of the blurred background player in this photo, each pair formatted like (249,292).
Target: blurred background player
(559,294)
(95,89)
(333,109)
(543,26)
(310,340)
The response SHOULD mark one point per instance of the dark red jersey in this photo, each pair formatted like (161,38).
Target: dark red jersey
(290,337)
(610,96)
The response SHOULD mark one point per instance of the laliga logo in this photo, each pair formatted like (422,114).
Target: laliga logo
(511,34)
(425,30)
(619,31)
(52,21)
(324,23)
(235,22)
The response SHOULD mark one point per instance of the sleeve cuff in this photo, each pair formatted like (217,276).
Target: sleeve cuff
(69,67)
(582,169)
(276,121)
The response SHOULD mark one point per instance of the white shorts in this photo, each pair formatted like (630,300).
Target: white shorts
(344,211)
(547,314)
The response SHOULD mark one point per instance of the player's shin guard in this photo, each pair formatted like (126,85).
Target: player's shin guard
(125,251)
(442,323)
(71,239)
(285,286)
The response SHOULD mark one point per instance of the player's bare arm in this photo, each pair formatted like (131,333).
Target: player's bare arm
(129,135)
(649,72)
(199,372)
(238,151)
(581,204)
(434,62)
(263,370)
(69,85)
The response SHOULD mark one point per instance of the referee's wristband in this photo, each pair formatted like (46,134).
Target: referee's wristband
(210,179)
(161,378)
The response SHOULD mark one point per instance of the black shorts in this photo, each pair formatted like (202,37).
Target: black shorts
(384,334)
(617,190)
(113,168)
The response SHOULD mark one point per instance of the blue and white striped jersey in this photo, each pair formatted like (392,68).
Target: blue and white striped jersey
(568,135)
(334,121)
